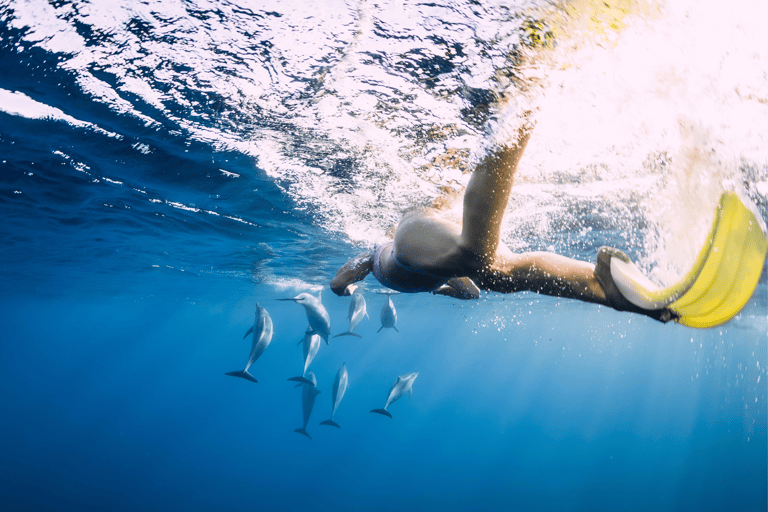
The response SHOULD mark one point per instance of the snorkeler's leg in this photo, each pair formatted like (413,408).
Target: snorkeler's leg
(487,196)
(560,276)
(546,273)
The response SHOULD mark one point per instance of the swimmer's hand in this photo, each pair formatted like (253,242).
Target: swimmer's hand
(459,288)
(353,271)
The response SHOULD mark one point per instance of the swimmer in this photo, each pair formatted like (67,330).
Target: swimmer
(431,253)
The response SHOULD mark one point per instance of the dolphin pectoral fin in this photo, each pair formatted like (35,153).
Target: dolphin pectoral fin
(302,379)
(395,328)
(249,332)
(301,430)
(348,333)
(382,411)
(331,423)
(243,374)
(380,328)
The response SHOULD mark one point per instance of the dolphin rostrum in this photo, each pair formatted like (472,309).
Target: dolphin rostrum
(319,321)
(308,394)
(339,388)
(388,315)
(311,344)
(403,385)
(357,310)
(262,336)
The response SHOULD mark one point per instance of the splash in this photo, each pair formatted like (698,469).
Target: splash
(661,103)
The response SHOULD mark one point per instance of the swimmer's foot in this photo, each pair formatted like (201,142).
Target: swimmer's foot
(615,298)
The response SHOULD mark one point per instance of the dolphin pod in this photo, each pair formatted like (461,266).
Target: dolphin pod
(311,344)
(262,336)
(388,315)
(319,321)
(357,310)
(403,385)
(340,384)
(319,328)
(308,394)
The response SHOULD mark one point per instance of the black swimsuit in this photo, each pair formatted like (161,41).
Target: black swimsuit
(421,281)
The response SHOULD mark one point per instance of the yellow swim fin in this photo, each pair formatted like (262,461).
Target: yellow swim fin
(731,270)
(719,283)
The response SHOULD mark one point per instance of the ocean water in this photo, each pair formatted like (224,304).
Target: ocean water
(165,165)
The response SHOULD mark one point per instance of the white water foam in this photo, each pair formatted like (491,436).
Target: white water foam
(19,104)
(652,117)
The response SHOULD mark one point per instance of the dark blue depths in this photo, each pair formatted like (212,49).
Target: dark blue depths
(120,402)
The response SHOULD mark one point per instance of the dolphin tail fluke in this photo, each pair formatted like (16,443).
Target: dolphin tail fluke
(303,431)
(331,423)
(302,380)
(348,333)
(242,374)
(382,411)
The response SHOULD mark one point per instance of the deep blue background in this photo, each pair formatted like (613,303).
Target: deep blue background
(120,402)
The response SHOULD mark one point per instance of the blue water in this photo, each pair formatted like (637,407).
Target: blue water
(138,233)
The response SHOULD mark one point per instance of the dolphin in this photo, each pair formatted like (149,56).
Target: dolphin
(262,336)
(339,388)
(311,346)
(308,394)
(357,310)
(388,315)
(319,321)
(403,384)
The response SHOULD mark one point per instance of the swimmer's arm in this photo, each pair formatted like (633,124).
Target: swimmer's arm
(459,288)
(353,271)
